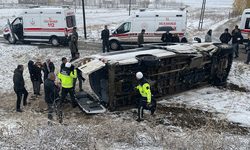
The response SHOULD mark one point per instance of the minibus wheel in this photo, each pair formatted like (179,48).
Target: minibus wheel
(11,40)
(114,45)
(55,41)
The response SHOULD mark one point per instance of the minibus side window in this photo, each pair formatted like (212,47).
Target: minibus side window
(124,28)
(71,21)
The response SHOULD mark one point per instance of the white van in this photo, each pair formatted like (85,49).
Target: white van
(41,25)
(245,24)
(127,32)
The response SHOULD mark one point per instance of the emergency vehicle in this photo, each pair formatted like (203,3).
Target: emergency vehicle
(245,24)
(127,32)
(50,25)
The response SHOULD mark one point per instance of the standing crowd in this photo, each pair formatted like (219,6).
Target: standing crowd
(68,76)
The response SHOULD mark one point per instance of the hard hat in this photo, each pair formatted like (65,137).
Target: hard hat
(68,65)
(139,75)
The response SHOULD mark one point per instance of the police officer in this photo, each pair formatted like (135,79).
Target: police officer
(145,101)
(66,76)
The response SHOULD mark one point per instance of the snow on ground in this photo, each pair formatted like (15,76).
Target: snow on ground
(232,105)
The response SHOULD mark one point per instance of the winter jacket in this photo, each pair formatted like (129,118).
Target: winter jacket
(47,69)
(144,89)
(35,72)
(166,37)
(73,45)
(234,31)
(62,66)
(105,35)
(225,37)
(75,34)
(237,38)
(18,80)
(66,77)
(175,39)
(208,38)
(140,39)
(51,91)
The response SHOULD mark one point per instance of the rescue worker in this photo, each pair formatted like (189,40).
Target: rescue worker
(64,60)
(79,74)
(146,102)
(73,45)
(166,37)
(66,77)
(140,39)
(105,38)
(19,87)
(225,37)
(48,67)
(236,39)
(51,92)
(208,36)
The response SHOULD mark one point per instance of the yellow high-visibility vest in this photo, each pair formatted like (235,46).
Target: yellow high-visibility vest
(145,91)
(67,80)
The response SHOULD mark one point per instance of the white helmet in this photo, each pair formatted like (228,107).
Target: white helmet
(68,65)
(139,75)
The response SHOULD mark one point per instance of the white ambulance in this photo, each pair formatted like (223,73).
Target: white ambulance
(127,32)
(245,24)
(50,25)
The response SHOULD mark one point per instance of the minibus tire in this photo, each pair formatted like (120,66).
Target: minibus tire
(114,45)
(11,41)
(55,41)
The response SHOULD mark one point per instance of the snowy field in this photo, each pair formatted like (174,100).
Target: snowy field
(119,130)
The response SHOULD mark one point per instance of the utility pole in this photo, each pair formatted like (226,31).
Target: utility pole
(129,6)
(202,15)
(84,24)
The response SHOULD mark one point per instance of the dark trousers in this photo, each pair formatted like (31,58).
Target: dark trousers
(36,87)
(105,43)
(80,81)
(19,94)
(236,49)
(64,93)
(73,54)
(143,105)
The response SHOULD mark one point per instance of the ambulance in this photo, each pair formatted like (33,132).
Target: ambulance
(50,25)
(245,24)
(127,32)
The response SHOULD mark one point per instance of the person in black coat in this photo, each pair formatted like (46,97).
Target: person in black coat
(105,39)
(175,38)
(48,67)
(19,87)
(236,39)
(225,37)
(64,60)
(236,27)
(35,76)
(51,92)
(166,37)
(79,74)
